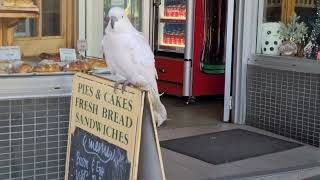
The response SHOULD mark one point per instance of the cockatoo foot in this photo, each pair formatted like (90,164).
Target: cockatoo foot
(124,86)
(116,86)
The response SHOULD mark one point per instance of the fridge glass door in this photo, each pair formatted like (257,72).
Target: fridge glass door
(171,21)
(133,9)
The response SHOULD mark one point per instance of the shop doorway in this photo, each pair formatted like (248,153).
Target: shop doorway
(194,55)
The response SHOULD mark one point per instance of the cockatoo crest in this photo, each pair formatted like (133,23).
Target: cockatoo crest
(118,21)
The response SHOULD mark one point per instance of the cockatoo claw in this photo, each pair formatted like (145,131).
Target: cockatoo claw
(116,86)
(124,86)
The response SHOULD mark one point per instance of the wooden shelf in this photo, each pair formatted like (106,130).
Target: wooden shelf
(19,12)
(19,9)
(9,18)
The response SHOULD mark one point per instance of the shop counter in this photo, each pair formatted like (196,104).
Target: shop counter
(34,121)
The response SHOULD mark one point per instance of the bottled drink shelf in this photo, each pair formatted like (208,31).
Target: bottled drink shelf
(172,48)
(173,20)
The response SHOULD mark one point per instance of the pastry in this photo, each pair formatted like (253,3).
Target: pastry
(47,61)
(54,68)
(55,57)
(97,64)
(41,68)
(24,68)
(24,3)
(47,68)
(5,67)
(78,66)
(73,67)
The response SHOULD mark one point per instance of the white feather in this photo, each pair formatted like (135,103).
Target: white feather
(130,58)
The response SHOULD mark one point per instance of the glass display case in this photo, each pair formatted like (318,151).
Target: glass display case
(170,29)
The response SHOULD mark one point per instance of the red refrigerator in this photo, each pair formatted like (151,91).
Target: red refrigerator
(189,45)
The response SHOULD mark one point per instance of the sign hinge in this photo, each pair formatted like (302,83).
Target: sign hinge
(230,102)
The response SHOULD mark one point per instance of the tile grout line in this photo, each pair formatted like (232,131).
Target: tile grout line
(47,140)
(10,140)
(35,138)
(58,137)
(22,116)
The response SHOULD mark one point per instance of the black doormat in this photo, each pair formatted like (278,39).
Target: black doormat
(228,146)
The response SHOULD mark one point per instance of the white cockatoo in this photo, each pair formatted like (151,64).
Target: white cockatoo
(131,59)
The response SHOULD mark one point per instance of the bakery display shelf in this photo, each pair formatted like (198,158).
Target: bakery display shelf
(106,71)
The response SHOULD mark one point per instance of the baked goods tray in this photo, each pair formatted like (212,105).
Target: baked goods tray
(52,74)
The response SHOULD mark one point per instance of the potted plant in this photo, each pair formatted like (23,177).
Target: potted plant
(294,35)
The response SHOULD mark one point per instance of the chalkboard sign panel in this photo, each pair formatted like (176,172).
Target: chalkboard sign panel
(96,159)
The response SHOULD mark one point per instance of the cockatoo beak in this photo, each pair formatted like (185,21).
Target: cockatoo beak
(113,20)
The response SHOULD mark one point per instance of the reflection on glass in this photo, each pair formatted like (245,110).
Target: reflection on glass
(272,10)
(133,10)
(26,28)
(51,17)
(306,10)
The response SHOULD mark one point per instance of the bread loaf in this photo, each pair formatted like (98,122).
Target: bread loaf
(55,57)
(97,64)
(24,68)
(78,66)
(47,68)
(5,67)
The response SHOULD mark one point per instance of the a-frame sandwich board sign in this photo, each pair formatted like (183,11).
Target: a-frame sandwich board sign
(112,136)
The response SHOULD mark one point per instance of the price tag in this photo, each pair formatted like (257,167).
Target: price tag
(82,45)
(67,54)
(10,53)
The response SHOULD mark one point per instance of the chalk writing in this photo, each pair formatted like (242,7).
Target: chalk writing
(81,161)
(92,158)
(102,151)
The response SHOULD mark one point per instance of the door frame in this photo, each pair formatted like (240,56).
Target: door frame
(245,43)
(228,60)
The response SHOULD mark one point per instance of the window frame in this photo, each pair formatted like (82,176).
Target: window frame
(33,46)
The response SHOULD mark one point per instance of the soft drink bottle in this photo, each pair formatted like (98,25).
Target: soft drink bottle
(179,35)
(184,8)
(173,35)
(165,8)
(183,40)
(169,8)
(165,34)
(179,8)
(176,34)
(176,8)
(182,36)
(170,35)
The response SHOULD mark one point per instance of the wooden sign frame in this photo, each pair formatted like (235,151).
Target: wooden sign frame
(94,104)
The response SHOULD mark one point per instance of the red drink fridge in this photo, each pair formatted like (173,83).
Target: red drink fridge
(189,45)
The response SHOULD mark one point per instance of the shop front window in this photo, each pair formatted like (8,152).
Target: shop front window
(50,21)
(289,28)
(51,17)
